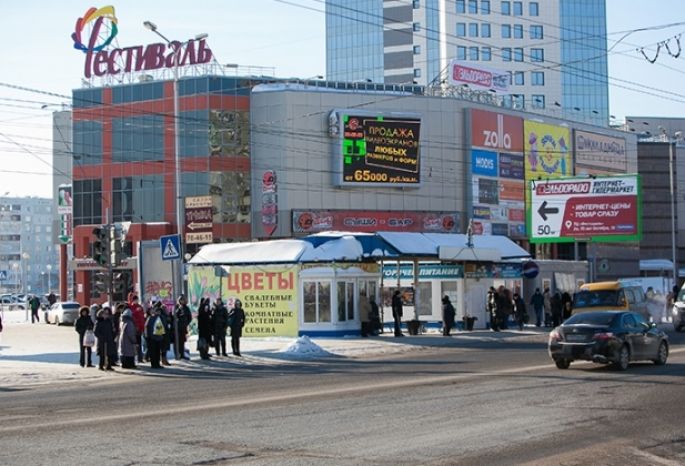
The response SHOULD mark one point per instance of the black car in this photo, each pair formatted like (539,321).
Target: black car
(607,337)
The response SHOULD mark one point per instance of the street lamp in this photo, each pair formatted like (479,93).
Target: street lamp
(671,142)
(49,269)
(25,273)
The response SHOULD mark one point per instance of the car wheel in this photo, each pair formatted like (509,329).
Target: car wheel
(56,320)
(623,358)
(662,354)
(562,363)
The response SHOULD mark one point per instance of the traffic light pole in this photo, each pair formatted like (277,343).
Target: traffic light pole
(110,270)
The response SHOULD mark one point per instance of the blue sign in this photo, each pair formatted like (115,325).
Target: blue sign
(170,245)
(483,162)
(3,275)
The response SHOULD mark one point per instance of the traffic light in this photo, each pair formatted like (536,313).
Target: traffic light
(100,253)
(119,282)
(101,282)
(116,240)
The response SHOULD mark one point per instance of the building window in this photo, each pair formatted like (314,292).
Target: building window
(416,27)
(345,301)
(473,30)
(537,78)
(506,54)
(518,8)
(473,53)
(536,32)
(485,7)
(417,72)
(517,101)
(506,31)
(518,54)
(461,52)
(316,301)
(534,9)
(517,78)
(486,54)
(506,8)
(416,4)
(461,6)
(473,7)
(485,30)
(461,29)
(518,31)
(537,55)
(538,101)
(417,50)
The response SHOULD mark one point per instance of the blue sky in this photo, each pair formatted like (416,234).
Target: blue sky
(37,53)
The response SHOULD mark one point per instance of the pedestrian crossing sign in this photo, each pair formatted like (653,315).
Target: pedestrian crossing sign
(170,246)
(3,275)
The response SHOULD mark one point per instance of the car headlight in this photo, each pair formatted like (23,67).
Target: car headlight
(675,310)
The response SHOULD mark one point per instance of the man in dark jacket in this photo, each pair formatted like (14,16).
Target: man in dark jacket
(183,319)
(448,313)
(83,324)
(168,331)
(205,328)
(236,319)
(34,304)
(556,306)
(397,312)
(220,317)
(491,304)
(105,335)
(538,303)
(154,335)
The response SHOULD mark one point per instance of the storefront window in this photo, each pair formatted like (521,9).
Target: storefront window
(317,302)
(345,301)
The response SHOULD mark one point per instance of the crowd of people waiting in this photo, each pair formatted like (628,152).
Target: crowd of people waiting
(128,331)
(550,309)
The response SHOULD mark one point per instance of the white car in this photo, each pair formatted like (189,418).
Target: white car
(62,313)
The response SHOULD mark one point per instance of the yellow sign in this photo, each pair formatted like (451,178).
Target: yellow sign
(268,294)
(548,151)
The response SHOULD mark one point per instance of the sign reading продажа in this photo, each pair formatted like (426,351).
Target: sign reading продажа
(103,27)
(585,209)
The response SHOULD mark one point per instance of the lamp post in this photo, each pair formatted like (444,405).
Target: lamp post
(25,273)
(49,269)
(671,142)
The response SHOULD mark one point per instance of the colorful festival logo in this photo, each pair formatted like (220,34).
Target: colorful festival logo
(548,154)
(98,15)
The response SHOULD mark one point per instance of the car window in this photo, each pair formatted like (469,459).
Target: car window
(70,306)
(629,321)
(591,318)
(630,296)
(639,295)
(640,320)
(587,298)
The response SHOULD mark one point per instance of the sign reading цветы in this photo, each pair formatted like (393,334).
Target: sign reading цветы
(585,209)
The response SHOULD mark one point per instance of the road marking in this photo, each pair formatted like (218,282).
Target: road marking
(287,397)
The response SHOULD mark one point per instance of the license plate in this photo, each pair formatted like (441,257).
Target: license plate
(573,338)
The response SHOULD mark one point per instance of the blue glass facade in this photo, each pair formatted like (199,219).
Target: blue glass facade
(584,74)
(354,40)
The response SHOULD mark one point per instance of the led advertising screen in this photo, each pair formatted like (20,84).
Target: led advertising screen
(379,149)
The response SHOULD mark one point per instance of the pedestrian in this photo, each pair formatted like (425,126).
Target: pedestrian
(116,327)
(105,338)
(448,314)
(520,311)
(168,331)
(397,312)
(556,307)
(205,328)
(183,319)
(374,317)
(34,304)
(82,325)
(538,303)
(671,299)
(236,320)
(52,299)
(128,340)
(94,308)
(547,304)
(138,315)
(491,304)
(154,335)
(364,311)
(505,307)
(220,318)
(566,305)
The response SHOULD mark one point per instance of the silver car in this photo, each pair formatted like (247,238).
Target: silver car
(63,313)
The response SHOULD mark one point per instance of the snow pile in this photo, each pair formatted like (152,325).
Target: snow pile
(304,346)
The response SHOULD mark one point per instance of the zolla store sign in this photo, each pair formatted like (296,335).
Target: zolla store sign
(103,25)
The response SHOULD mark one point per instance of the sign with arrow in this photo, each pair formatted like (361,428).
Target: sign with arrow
(199,220)
(601,208)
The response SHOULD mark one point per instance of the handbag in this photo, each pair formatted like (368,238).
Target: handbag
(89,339)
(202,344)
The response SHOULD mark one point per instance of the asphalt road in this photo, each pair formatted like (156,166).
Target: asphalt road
(480,403)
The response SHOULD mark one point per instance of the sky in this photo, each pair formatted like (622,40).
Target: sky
(285,36)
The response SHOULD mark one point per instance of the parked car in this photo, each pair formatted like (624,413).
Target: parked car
(607,337)
(678,311)
(62,313)
(615,296)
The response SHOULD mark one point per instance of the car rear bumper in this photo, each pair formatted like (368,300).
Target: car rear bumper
(600,352)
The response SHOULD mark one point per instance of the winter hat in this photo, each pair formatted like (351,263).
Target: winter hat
(127,313)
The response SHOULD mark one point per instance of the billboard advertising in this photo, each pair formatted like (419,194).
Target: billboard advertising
(379,149)
(598,154)
(478,77)
(497,169)
(368,221)
(586,209)
(268,294)
(548,151)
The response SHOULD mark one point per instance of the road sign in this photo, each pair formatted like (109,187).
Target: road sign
(602,208)
(170,246)
(199,220)
(3,275)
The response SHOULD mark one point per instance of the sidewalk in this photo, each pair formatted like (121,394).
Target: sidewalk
(38,354)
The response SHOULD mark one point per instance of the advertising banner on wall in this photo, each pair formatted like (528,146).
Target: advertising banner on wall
(369,221)
(378,149)
(478,77)
(587,209)
(548,151)
(497,170)
(598,154)
(268,294)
